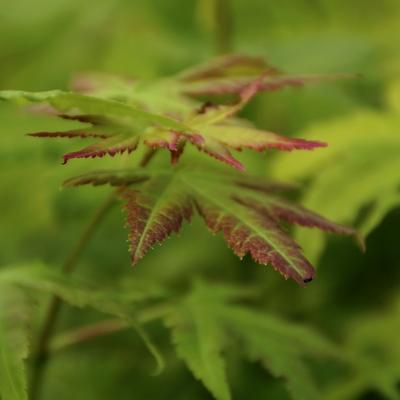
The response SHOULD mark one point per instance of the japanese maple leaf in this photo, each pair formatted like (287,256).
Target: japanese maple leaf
(120,114)
(246,210)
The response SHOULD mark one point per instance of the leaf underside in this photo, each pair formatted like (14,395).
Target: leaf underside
(249,216)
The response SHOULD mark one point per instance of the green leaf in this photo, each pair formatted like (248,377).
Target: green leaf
(122,114)
(247,213)
(120,126)
(198,341)
(231,74)
(280,346)
(231,65)
(373,351)
(81,104)
(116,301)
(15,310)
(203,321)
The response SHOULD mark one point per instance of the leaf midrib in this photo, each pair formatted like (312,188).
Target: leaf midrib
(154,210)
(272,243)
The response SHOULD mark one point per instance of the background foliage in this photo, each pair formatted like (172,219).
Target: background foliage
(353,303)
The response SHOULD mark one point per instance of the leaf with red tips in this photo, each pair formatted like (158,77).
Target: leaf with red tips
(228,65)
(245,209)
(257,184)
(78,133)
(246,232)
(296,214)
(122,113)
(110,146)
(120,126)
(235,85)
(154,213)
(210,115)
(76,105)
(220,152)
(238,138)
(219,134)
(113,178)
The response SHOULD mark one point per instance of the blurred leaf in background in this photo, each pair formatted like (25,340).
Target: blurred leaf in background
(359,173)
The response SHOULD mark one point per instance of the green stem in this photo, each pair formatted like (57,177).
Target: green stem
(42,351)
(103,328)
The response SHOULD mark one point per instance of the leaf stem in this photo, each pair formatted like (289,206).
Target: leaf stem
(42,351)
(103,328)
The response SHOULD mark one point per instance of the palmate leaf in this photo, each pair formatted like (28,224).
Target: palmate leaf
(230,74)
(117,301)
(15,310)
(198,339)
(233,86)
(120,113)
(247,211)
(119,126)
(280,346)
(207,316)
(80,293)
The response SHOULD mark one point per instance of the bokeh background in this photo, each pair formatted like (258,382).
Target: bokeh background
(355,300)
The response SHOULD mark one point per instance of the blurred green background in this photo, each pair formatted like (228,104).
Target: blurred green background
(355,298)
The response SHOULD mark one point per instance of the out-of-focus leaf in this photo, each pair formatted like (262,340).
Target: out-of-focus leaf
(198,339)
(373,348)
(15,312)
(122,113)
(114,301)
(207,315)
(280,346)
(359,169)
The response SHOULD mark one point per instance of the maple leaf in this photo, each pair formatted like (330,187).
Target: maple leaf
(121,113)
(230,74)
(121,301)
(15,310)
(206,322)
(118,125)
(227,66)
(199,341)
(246,210)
